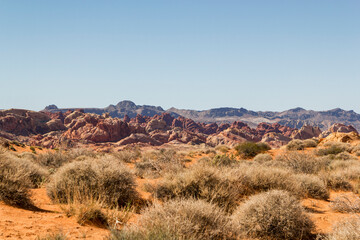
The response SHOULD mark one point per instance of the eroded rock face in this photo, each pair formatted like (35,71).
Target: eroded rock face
(275,139)
(23,122)
(155,124)
(341,137)
(95,128)
(306,132)
(53,129)
(338,128)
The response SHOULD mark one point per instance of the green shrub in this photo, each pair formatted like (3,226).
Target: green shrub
(251,149)
(273,215)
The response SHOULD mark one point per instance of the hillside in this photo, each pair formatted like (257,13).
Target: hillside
(294,118)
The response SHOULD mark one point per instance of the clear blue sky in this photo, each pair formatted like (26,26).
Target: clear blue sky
(198,54)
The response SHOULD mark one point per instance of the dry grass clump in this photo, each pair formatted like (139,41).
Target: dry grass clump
(312,186)
(250,149)
(92,215)
(259,178)
(54,236)
(302,162)
(156,164)
(333,148)
(273,215)
(17,177)
(105,180)
(345,156)
(128,155)
(297,144)
(222,148)
(56,159)
(263,157)
(179,219)
(346,229)
(222,160)
(346,203)
(201,181)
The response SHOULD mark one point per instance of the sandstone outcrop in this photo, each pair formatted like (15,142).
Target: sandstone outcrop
(306,132)
(338,128)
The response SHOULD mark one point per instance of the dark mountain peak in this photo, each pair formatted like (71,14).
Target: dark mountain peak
(126,104)
(51,107)
(298,109)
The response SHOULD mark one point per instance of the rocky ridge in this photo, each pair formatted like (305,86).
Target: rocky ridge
(54,129)
(294,118)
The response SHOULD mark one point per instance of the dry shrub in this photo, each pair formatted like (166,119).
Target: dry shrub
(273,215)
(346,203)
(219,160)
(179,219)
(128,155)
(336,181)
(92,215)
(105,180)
(312,186)
(57,159)
(156,164)
(302,162)
(295,144)
(263,157)
(222,148)
(333,148)
(345,156)
(17,176)
(201,181)
(259,178)
(311,143)
(346,229)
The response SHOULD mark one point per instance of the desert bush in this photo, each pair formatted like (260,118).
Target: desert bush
(17,176)
(156,164)
(223,160)
(92,215)
(295,144)
(263,157)
(251,149)
(303,162)
(345,156)
(201,181)
(273,215)
(311,143)
(346,203)
(105,179)
(180,219)
(312,186)
(56,159)
(333,148)
(336,181)
(12,164)
(128,155)
(346,229)
(222,148)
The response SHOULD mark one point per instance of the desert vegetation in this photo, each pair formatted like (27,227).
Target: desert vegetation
(245,192)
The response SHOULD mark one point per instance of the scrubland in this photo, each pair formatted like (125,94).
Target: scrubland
(305,190)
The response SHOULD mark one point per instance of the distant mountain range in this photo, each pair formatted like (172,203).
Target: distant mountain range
(295,118)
